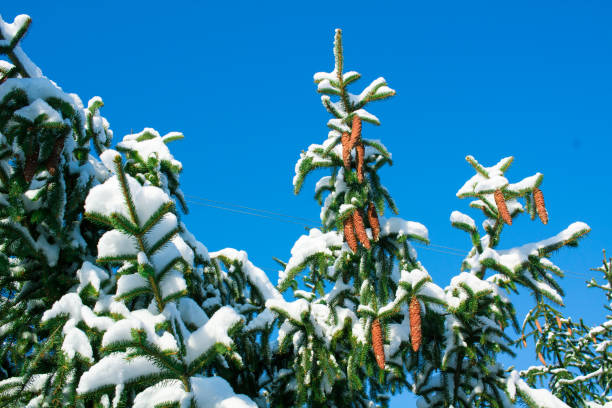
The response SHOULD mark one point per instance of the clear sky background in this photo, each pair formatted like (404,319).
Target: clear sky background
(523,78)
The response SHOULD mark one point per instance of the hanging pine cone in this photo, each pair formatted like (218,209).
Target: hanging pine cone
(415,323)
(537,323)
(377,344)
(538,197)
(558,321)
(569,330)
(524,342)
(54,157)
(373,221)
(360,229)
(349,233)
(501,207)
(31,162)
(355,131)
(346,150)
(360,157)
(541,358)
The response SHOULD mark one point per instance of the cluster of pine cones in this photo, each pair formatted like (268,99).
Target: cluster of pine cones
(354,228)
(355,232)
(538,198)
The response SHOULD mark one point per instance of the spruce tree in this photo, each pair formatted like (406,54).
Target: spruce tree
(46,171)
(133,330)
(576,361)
(368,320)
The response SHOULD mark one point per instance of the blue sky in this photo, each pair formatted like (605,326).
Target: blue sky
(491,80)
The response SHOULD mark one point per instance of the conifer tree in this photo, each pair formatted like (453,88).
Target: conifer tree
(368,320)
(46,171)
(135,330)
(576,360)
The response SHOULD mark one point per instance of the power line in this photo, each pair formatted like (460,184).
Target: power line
(250,208)
(284,218)
(247,213)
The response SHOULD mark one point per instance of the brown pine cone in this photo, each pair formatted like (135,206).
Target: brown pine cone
(538,197)
(346,150)
(356,131)
(377,344)
(31,163)
(558,321)
(524,342)
(541,358)
(415,323)
(360,158)
(537,323)
(349,233)
(373,221)
(501,207)
(54,157)
(360,229)
(569,331)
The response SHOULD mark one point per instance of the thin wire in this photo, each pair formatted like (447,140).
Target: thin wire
(247,213)
(279,217)
(250,208)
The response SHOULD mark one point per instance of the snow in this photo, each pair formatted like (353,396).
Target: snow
(215,392)
(108,198)
(402,227)
(108,159)
(191,312)
(528,183)
(172,283)
(75,340)
(8,33)
(213,332)
(115,243)
(41,88)
(460,218)
(123,371)
(130,282)
(316,242)
(256,276)
(144,320)
(153,147)
(476,285)
(494,179)
(90,274)
(37,108)
(191,240)
(168,391)
(514,258)
(541,397)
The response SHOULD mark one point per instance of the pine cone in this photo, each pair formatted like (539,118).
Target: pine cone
(524,342)
(373,221)
(53,159)
(541,358)
(355,131)
(346,150)
(538,197)
(360,229)
(501,207)
(377,344)
(360,157)
(558,321)
(569,330)
(537,323)
(415,323)
(31,163)
(349,233)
